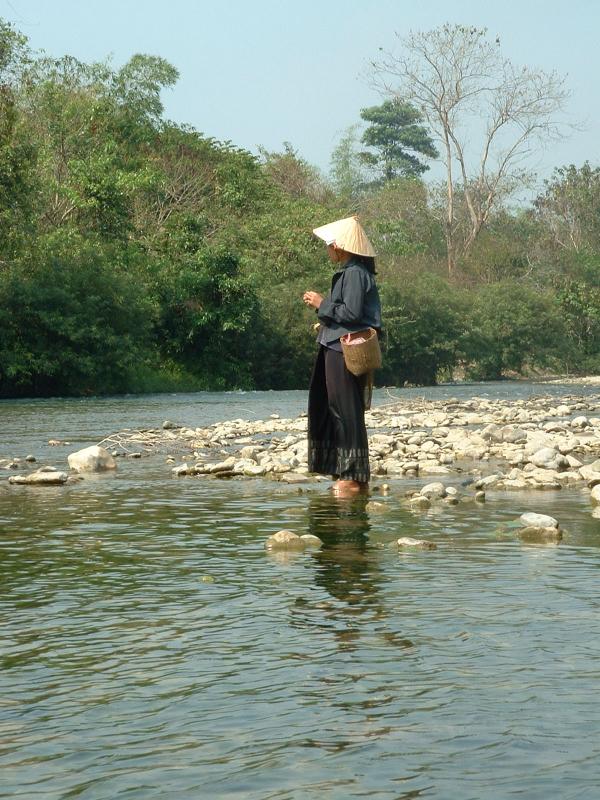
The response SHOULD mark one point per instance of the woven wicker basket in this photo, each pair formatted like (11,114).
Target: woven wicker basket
(363,357)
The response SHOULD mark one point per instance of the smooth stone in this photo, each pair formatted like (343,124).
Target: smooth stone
(433,490)
(544,457)
(40,478)
(293,477)
(580,422)
(254,471)
(589,471)
(480,496)
(595,494)
(310,540)
(420,544)
(92,459)
(489,480)
(251,452)
(30,459)
(419,501)
(181,470)
(513,483)
(170,426)
(434,469)
(531,519)
(222,466)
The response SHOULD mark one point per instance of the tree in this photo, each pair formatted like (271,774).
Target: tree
(292,173)
(513,326)
(347,168)
(570,208)
(398,139)
(463,86)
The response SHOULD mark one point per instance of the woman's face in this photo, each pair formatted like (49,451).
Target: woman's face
(334,253)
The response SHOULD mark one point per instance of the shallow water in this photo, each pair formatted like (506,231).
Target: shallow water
(151,648)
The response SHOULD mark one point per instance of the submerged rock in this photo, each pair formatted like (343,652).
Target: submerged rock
(288,540)
(419,502)
(418,544)
(375,507)
(535,533)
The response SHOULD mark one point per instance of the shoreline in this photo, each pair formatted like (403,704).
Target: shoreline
(476,444)
(539,443)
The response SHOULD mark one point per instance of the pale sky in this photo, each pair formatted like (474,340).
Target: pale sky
(261,72)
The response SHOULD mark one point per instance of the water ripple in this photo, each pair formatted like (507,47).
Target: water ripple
(151,648)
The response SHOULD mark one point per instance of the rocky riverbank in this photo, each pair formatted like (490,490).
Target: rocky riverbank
(489,445)
(534,443)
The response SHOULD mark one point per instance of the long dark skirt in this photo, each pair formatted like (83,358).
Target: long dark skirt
(337,436)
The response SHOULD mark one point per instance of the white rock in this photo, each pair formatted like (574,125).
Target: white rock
(514,483)
(544,457)
(595,493)
(434,469)
(52,478)
(433,490)
(489,480)
(531,519)
(293,477)
(580,422)
(254,471)
(589,471)
(92,459)
(250,452)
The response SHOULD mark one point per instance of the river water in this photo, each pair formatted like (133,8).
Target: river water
(151,648)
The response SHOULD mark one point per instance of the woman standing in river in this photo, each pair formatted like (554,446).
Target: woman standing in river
(337,435)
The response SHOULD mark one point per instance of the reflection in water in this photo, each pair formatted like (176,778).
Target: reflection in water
(348,567)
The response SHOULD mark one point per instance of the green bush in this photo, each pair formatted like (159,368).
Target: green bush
(70,326)
(424,324)
(513,327)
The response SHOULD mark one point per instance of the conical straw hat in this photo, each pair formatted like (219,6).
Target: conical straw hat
(347,234)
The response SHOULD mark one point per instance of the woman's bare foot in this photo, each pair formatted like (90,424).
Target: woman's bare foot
(349,488)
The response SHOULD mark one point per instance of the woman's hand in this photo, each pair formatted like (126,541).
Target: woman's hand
(313,299)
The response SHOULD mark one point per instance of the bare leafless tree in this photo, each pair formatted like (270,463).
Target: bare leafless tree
(488,115)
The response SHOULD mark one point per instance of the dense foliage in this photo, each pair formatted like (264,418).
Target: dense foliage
(137,254)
